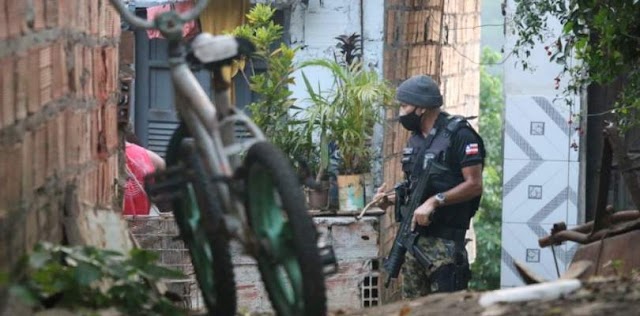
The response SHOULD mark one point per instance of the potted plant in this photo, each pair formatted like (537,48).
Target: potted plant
(317,116)
(346,115)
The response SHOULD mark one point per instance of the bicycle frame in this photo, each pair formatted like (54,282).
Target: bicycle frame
(210,124)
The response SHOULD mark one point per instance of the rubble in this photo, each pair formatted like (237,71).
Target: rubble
(597,296)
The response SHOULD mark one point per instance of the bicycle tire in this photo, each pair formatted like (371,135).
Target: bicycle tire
(224,301)
(266,167)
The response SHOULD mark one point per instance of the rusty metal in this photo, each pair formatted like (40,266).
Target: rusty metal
(617,258)
(580,234)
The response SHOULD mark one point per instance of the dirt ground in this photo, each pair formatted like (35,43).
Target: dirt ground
(598,296)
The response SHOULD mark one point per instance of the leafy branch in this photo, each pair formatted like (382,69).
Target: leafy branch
(92,278)
(602,36)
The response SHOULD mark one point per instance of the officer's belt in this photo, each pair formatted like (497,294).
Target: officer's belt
(455,234)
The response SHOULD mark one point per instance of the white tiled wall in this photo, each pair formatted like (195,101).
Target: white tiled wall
(541,169)
(520,242)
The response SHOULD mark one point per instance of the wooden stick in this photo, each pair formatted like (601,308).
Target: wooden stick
(364,210)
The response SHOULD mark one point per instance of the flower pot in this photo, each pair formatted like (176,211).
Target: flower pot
(318,198)
(350,192)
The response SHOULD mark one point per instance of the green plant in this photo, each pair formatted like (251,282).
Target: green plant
(89,278)
(487,222)
(602,36)
(348,111)
(274,112)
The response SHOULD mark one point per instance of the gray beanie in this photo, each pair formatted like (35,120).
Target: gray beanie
(420,91)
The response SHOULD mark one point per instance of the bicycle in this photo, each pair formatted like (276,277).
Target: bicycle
(217,197)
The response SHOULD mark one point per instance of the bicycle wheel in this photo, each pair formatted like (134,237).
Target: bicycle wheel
(288,257)
(198,214)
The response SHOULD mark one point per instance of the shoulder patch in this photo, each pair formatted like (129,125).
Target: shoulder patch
(471,149)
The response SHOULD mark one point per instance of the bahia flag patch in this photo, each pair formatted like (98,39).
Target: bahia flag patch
(471,149)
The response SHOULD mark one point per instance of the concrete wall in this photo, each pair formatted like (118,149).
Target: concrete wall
(58,137)
(437,38)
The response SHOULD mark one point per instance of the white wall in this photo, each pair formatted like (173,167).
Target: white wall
(541,170)
(314,27)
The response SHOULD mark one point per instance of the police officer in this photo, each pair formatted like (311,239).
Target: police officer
(452,196)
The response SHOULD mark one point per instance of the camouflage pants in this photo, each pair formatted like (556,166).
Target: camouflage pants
(449,271)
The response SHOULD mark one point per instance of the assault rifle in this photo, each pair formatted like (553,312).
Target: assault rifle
(406,238)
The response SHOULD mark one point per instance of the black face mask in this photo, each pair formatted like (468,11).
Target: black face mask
(411,121)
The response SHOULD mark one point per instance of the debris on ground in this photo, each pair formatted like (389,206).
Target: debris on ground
(597,296)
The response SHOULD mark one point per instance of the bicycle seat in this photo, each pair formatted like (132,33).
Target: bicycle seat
(210,49)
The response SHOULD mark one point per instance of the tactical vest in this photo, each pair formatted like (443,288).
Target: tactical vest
(436,147)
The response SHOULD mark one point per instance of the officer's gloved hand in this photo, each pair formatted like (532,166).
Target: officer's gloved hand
(383,198)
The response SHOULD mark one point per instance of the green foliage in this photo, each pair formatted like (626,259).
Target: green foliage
(275,112)
(487,222)
(603,36)
(348,111)
(91,278)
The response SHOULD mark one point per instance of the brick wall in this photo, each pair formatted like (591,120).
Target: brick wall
(58,137)
(460,72)
(438,38)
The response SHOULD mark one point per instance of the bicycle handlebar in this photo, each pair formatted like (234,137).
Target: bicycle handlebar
(145,24)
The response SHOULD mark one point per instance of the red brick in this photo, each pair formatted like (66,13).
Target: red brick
(15,17)
(60,131)
(39,156)
(4,28)
(112,21)
(78,66)
(10,175)
(95,118)
(39,14)
(53,156)
(34,81)
(87,187)
(45,75)
(102,184)
(7,101)
(94,18)
(99,75)
(72,138)
(21,85)
(27,161)
(53,12)
(57,73)
(86,148)
(88,72)
(83,18)
(113,67)
(111,130)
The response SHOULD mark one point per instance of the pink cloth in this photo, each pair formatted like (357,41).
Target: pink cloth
(138,165)
(190,29)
